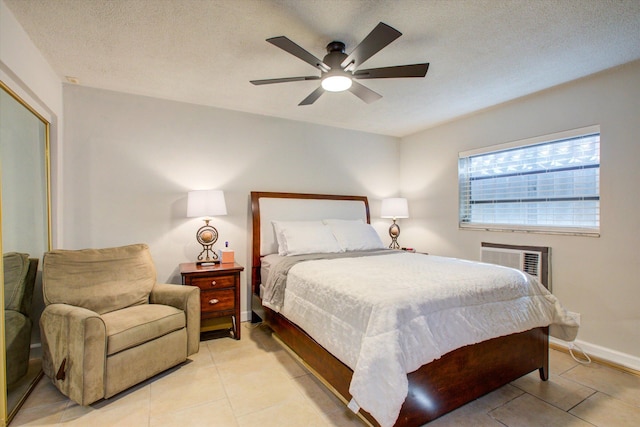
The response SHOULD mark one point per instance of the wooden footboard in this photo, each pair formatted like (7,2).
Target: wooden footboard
(440,386)
(473,371)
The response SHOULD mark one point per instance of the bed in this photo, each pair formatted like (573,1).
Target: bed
(433,389)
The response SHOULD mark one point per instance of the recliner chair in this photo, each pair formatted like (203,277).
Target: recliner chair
(108,325)
(19,280)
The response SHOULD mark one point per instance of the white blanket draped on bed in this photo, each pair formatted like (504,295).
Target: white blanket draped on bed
(385,316)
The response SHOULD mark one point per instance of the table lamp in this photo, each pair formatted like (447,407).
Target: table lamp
(395,208)
(206,203)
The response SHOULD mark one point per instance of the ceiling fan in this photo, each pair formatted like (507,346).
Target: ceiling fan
(338,70)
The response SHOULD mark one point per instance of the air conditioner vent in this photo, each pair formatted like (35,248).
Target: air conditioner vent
(531,263)
(533,260)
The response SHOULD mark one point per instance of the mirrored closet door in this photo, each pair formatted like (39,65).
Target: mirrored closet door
(26,236)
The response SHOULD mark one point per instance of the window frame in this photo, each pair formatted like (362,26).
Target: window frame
(544,229)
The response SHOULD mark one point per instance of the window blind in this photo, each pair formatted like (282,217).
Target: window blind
(549,184)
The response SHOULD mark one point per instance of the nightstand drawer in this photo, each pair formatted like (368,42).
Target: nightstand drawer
(216,301)
(218,282)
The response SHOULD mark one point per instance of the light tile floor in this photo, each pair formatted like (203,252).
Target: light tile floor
(255,382)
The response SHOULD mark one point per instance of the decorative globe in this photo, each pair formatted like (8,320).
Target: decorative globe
(206,236)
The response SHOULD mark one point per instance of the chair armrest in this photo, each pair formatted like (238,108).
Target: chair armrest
(16,325)
(74,351)
(17,330)
(186,298)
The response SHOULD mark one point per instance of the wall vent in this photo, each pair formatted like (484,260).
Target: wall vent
(530,259)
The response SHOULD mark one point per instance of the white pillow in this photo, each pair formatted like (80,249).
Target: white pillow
(304,237)
(354,235)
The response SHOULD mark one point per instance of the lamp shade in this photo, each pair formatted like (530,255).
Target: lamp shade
(396,207)
(206,203)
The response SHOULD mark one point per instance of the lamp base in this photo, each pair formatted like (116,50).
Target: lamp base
(207,235)
(211,261)
(394,232)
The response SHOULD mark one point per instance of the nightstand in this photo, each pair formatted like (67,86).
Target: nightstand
(219,292)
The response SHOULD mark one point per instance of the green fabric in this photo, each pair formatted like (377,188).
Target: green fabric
(111,322)
(17,341)
(186,298)
(136,325)
(16,266)
(129,367)
(79,336)
(19,280)
(101,280)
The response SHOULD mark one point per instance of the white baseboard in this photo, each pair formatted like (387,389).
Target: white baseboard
(614,357)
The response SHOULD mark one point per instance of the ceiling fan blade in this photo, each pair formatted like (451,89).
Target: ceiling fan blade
(287,45)
(284,80)
(312,97)
(414,70)
(377,39)
(364,93)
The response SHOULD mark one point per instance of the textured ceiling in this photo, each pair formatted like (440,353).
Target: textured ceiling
(481,52)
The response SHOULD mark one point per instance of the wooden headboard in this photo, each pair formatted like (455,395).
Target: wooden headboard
(270,206)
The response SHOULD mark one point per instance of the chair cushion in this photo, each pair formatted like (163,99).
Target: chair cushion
(101,280)
(136,325)
(16,266)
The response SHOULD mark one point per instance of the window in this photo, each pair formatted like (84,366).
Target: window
(546,184)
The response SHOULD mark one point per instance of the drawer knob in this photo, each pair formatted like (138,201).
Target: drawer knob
(214,301)
(213,283)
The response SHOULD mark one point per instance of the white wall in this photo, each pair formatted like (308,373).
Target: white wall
(27,73)
(597,277)
(24,69)
(130,161)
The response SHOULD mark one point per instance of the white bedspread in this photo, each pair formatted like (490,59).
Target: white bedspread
(385,316)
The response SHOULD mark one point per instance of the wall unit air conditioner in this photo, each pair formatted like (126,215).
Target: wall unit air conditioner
(534,260)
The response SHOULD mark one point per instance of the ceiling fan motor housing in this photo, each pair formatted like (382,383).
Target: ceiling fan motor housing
(335,56)
(335,46)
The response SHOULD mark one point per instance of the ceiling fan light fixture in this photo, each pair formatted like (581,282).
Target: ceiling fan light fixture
(339,69)
(336,83)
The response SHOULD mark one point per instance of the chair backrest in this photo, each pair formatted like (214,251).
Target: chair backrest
(101,280)
(16,266)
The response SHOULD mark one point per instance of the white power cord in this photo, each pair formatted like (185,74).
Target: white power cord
(585,359)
